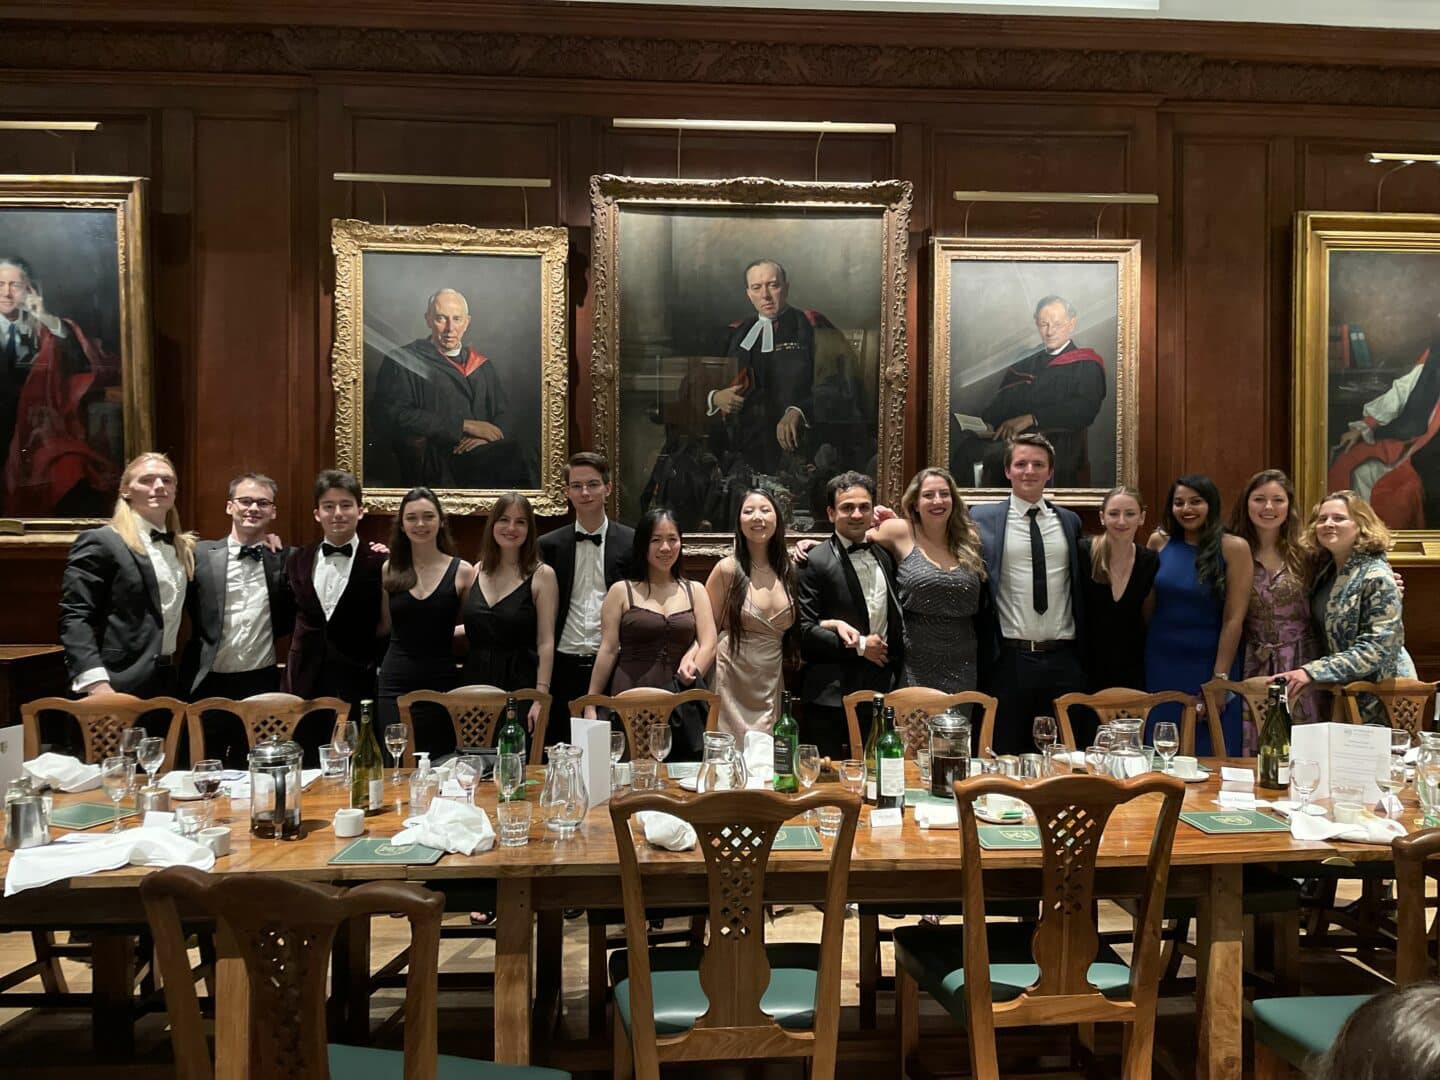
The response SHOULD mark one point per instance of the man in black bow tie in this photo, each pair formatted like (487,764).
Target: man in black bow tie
(851,629)
(239,606)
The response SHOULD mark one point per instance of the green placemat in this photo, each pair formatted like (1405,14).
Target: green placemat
(682,770)
(87,815)
(1009,837)
(379,850)
(797,838)
(1232,821)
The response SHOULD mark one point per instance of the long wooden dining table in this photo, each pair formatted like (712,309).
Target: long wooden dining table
(536,882)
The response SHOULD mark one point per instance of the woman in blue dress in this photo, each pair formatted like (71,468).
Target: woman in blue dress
(1202,591)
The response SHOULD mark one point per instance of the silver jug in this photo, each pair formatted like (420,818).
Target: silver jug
(26,823)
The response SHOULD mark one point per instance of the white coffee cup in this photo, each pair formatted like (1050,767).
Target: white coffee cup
(349,821)
(217,839)
(1184,765)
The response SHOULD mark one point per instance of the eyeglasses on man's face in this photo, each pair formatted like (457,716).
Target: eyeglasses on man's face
(580,486)
(259,504)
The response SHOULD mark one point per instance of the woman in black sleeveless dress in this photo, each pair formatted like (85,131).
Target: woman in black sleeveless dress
(509,612)
(1115,642)
(424,581)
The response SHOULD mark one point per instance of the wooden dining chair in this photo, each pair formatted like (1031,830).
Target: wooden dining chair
(475,713)
(642,708)
(261,716)
(1290,1032)
(914,706)
(1001,975)
(1407,703)
(275,935)
(734,998)
(102,718)
(1122,703)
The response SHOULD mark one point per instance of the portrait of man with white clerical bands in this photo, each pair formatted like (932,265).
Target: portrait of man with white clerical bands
(1036,337)
(74,352)
(751,348)
(451,361)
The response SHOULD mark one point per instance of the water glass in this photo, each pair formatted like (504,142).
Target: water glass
(332,764)
(206,775)
(922,761)
(644,775)
(1031,766)
(189,820)
(830,819)
(514,818)
(423,789)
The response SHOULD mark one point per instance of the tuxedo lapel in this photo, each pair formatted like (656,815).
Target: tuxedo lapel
(852,582)
(565,565)
(216,560)
(147,575)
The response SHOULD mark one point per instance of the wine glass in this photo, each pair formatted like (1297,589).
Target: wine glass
(1304,778)
(617,746)
(117,774)
(660,741)
(396,736)
(1095,757)
(1045,732)
(205,776)
(1167,740)
(510,771)
(852,776)
(467,774)
(807,771)
(344,738)
(1390,778)
(130,740)
(150,755)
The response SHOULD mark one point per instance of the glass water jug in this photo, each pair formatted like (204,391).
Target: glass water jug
(563,800)
(723,767)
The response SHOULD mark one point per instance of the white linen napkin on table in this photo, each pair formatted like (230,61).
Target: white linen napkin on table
(1369,830)
(759,759)
(937,815)
(450,826)
(667,830)
(63,772)
(145,846)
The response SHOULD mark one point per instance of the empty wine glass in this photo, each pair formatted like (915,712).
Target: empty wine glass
(617,747)
(1304,778)
(396,736)
(1167,740)
(807,771)
(510,772)
(1095,759)
(205,776)
(343,739)
(660,741)
(117,774)
(1045,732)
(1390,778)
(150,755)
(467,774)
(852,777)
(130,740)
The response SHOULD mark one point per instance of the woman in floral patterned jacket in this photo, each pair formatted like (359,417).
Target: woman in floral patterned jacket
(1355,601)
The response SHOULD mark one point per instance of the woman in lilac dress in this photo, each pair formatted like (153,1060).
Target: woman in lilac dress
(1279,631)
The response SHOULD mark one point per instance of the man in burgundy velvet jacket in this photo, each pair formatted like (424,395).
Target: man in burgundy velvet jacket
(337,640)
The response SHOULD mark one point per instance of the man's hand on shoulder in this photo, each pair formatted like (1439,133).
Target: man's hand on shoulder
(273,543)
(379,549)
(802,549)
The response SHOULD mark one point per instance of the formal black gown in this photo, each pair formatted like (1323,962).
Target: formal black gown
(1115,638)
(421,656)
(502,638)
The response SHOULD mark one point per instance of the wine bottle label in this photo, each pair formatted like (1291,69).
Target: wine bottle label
(377,792)
(784,760)
(870,789)
(892,777)
(1284,774)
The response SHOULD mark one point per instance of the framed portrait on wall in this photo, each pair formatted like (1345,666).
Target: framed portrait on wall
(450,362)
(1367,368)
(748,333)
(1035,336)
(75,390)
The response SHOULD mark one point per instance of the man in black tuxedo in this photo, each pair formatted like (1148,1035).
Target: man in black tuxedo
(1029,652)
(122,597)
(239,606)
(851,628)
(587,559)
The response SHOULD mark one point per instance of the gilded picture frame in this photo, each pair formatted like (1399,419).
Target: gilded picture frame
(76,392)
(472,421)
(672,263)
(996,304)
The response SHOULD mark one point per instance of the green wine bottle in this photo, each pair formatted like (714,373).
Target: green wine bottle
(872,767)
(1274,751)
(787,748)
(367,768)
(890,757)
(511,739)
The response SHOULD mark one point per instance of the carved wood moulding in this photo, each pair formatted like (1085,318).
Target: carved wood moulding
(303,50)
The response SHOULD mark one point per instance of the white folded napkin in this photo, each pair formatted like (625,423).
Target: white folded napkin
(450,826)
(1368,830)
(1074,758)
(666,830)
(145,846)
(63,772)
(937,815)
(240,789)
(759,759)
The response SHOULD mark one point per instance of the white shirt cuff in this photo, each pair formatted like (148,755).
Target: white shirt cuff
(803,418)
(860,646)
(1366,431)
(89,678)
(710,409)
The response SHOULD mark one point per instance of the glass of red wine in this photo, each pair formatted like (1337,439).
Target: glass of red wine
(205,775)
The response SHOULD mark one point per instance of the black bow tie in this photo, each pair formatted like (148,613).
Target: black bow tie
(864,545)
(593,538)
(327,550)
(160,537)
(254,551)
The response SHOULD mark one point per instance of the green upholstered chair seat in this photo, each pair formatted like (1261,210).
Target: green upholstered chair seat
(679,1000)
(1300,1028)
(934,956)
(366,1063)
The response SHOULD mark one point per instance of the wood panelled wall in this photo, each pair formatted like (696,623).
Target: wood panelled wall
(240,121)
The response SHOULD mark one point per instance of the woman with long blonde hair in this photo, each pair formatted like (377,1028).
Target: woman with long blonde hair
(940,575)
(123,593)
(1117,593)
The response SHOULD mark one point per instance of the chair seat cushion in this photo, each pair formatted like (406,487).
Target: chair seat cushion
(1299,1028)
(680,1001)
(367,1063)
(934,956)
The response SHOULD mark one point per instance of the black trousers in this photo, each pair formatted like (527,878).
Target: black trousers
(569,679)
(224,734)
(825,727)
(1026,684)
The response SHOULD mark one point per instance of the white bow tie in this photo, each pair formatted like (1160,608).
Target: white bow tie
(762,325)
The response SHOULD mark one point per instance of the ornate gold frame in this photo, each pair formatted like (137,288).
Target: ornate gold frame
(350,240)
(1125,254)
(889,199)
(1318,233)
(126,196)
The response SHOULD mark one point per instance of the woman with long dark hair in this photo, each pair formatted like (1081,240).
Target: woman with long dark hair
(1117,593)
(1202,591)
(509,612)
(424,582)
(752,592)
